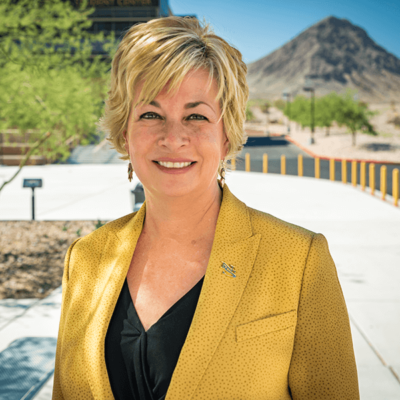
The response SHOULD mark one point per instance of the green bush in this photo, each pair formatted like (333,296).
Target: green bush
(249,114)
(280,104)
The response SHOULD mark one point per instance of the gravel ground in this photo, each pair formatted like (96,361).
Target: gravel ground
(32,255)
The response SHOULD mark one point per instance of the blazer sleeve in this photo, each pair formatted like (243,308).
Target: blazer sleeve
(323,365)
(57,393)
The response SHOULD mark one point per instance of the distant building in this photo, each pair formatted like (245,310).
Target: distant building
(119,15)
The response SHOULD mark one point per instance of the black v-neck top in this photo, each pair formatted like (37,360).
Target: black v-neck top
(140,364)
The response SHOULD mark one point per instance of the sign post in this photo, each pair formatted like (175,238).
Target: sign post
(33,183)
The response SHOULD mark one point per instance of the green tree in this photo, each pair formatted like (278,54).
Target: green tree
(299,111)
(326,108)
(50,82)
(354,115)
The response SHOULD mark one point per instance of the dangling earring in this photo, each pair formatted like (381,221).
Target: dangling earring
(130,172)
(222,173)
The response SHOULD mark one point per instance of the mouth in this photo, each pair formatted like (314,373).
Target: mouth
(175,165)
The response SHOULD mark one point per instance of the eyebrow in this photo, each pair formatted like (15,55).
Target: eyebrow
(187,105)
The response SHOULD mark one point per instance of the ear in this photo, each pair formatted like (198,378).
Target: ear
(225,146)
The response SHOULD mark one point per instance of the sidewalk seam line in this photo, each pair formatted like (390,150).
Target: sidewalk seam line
(18,316)
(374,349)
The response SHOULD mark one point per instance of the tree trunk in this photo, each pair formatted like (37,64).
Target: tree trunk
(327,131)
(26,158)
(353,134)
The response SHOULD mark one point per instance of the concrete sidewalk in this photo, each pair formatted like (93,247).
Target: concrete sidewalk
(362,231)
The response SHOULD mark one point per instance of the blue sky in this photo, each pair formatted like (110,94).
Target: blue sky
(258,27)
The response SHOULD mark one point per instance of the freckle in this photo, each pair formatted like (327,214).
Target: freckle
(193,242)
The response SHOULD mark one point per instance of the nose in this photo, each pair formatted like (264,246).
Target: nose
(173,136)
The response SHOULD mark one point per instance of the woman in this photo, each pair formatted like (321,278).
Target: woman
(196,295)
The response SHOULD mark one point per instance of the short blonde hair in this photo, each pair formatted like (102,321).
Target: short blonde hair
(163,50)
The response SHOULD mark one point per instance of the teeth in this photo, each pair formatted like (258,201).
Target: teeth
(169,164)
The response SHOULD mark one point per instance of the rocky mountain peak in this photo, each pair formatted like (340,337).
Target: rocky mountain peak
(335,54)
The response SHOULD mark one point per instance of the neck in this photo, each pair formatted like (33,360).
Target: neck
(183,219)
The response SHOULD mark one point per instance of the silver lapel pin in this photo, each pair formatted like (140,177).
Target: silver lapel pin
(230,269)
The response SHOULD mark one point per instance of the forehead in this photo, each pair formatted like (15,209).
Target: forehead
(195,84)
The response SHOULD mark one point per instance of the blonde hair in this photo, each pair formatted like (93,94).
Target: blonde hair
(163,50)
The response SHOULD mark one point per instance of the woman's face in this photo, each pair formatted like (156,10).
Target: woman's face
(175,143)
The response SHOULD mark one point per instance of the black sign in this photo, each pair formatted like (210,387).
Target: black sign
(32,183)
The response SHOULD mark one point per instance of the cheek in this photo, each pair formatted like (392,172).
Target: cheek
(140,141)
(210,137)
(207,145)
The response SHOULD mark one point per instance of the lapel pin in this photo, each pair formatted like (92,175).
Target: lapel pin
(230,269)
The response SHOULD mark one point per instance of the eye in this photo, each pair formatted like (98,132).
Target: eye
(197,117)
(149,115)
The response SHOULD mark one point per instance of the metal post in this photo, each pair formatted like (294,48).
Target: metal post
(332,169)
(383,182)
(344,171)
(283,164)
(247,162)
(309,88)
(265,163)
(300,165)
(395,186)
(363,174)
(233,164)
(312,116)
(317,168)
(33,203)
(354,173)
(372,178)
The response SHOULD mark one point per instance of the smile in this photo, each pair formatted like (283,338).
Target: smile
(168,164)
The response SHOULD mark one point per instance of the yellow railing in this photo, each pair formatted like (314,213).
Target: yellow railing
(372,178)
(354,173)
(344,171)
(283,164)
(332,169)
(317,168)
(247,162)
(265,163)
(383,182)
(354,165)
(363,174)
(300,165)
(395,186)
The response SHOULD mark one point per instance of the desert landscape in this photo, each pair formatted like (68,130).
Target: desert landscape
(384,147)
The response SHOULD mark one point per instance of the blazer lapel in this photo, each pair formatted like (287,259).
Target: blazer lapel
(112,270)
(234,245)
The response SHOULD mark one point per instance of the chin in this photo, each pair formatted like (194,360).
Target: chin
(169,188)
(176,189)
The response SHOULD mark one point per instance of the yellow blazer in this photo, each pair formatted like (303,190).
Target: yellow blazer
(272,324)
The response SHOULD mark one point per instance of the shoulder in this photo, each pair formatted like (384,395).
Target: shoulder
(261,221)
(92,244)
(281,235)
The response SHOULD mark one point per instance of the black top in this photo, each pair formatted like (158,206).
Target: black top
(140,364)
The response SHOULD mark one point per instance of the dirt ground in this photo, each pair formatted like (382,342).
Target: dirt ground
(338,144)
(32,255)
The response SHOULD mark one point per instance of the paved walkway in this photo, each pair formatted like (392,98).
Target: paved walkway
(362,232)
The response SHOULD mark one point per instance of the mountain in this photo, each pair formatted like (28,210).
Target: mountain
(335,55)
